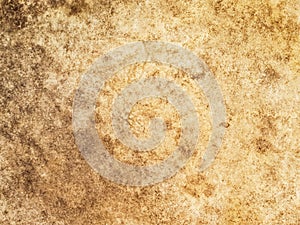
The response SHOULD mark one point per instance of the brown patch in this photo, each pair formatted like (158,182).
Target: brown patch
(221,6)
(13,13)
(18,85)
(267,129)
(107,140)
(196,186)
(225,124)
(28,176)
(270,75)
(209,190)
(77,7)
(25,123)
(267,125)
(263,145)
(57,3)
(17,15)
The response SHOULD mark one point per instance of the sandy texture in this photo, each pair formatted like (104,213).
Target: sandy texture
(252,47)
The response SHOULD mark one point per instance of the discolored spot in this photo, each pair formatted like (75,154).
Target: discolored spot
(108,141)
(77,7)
(267,125)
(263,145)
(196,186)
(221,6)
(57,3)
(17,14)
(267,129)
(270,75)
(169,124)
(209,190)
(225,124)
(28,176)
(13,13)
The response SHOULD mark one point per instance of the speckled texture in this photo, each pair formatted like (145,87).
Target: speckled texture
(252,47)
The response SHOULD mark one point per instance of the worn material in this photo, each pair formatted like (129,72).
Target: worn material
(251,47)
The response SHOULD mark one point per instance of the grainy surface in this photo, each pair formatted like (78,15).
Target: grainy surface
(252,47)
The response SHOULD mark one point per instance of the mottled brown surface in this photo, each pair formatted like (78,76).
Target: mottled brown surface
(252,47)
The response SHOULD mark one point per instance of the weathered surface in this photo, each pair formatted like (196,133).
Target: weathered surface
(252,48)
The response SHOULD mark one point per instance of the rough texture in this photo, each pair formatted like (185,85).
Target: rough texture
(252,47)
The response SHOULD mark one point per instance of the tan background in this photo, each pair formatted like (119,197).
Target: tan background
(252,47)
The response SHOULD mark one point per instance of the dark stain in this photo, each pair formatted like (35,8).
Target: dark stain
(23,180)
(267,124)
(13,13)
(197,185)
(28,176)
(108,141)
(225,124)
(263,146)
(270,75)
(56,3)
(77,7)
(221,6)
(17,15)
(169,124)
(268,131)
(60,203)
(23,70)
(24,67)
